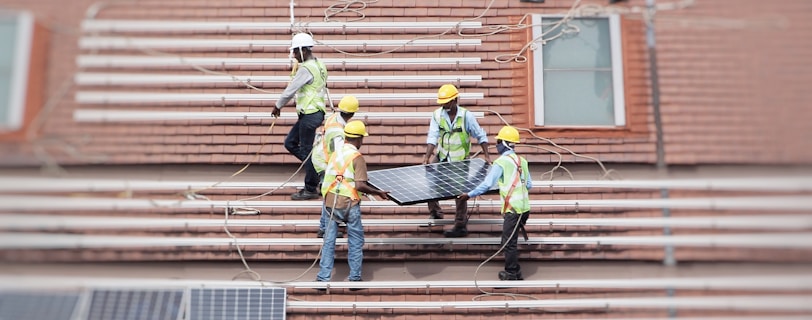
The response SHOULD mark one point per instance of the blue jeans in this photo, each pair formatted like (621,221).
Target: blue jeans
(355,239)
(299,143)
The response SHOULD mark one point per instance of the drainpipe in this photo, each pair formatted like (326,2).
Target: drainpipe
(292,21)
(662,168)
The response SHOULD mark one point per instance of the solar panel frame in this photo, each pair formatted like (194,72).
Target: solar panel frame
(436,181)
(38,305)
(237,303)
(126,304)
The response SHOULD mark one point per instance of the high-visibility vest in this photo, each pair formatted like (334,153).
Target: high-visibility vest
(339,178)
(311,97)
(513,183)
(325,143)
(453,144)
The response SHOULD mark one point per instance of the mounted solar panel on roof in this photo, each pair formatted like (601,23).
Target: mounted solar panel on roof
(237,304)
(135,304)
(38,305)
(436,181)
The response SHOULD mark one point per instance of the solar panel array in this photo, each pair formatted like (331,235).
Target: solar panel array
(436,181)
(37,305)
(237,304)
(135,304)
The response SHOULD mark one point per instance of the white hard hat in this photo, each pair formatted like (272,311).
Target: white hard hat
(301,40)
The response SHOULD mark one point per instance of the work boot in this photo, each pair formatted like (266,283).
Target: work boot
(504,275)
(456,232)
(305,195)
(435,215)
(321,289)
(356,280)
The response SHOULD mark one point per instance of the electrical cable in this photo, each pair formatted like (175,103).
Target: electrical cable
(330,12)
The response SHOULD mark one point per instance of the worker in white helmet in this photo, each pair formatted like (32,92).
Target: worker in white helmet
(309,86)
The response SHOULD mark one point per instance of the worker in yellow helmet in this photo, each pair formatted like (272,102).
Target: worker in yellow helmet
(308,85)
(344,180)
(330,139)
(511,173)
(450,132)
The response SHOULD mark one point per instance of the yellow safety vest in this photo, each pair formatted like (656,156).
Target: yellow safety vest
(324,145)
(311,97)
(340,175)
(453,143)
(513,183)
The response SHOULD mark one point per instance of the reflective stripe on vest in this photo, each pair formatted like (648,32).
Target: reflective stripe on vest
(340,175)
(310,97)
(453,143)
(512,184)
(324,146)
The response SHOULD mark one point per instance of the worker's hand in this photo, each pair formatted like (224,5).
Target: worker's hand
(488,159)
(384,195)
(463,197)
(276,112)
(426,159)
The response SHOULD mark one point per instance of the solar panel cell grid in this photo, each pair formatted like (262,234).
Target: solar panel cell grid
(436,181)
(237,304)
(135,304)
(37,305)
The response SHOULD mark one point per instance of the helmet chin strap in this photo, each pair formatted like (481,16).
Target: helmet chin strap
(504,143)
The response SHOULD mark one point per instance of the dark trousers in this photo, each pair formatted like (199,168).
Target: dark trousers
(299,143)
(513,221)
(461,206)
(460,215)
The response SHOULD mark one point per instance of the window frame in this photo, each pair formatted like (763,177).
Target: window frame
(618,88)
(21,64)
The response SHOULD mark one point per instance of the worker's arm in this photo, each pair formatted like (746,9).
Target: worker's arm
(486,184)
(362,186)
(431,140)
(301,78)
(476,131)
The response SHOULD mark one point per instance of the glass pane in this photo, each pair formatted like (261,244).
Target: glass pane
(5,94)
(8,35)
(588,48)
(578,98)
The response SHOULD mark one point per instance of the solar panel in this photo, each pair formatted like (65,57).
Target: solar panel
(436,181)
(37,305)
(135,304)
(237,304)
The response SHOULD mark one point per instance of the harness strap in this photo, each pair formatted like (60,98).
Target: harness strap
(506,205)
(340,178)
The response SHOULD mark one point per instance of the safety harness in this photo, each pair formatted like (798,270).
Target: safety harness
(516,180)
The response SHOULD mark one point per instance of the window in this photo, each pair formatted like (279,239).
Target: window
(16,32)
(578,73)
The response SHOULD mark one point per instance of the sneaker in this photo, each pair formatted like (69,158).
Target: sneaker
(455,232)
(355,289)
(305,195)
(504,275)
(435,215)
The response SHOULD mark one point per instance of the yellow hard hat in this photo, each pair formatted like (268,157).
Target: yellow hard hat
(447,93)
(509,134)
(348,104)
(355,129)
